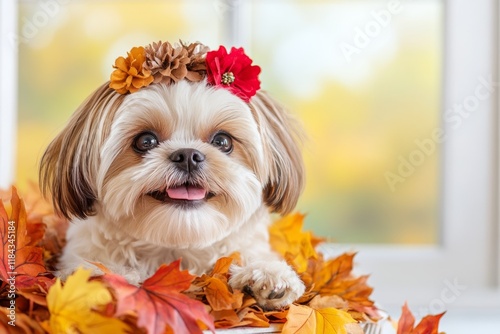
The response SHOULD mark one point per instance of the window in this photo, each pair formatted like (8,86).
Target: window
(365,78)
(383,87)
(367,90)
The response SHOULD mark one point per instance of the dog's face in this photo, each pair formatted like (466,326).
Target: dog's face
(179,165)
(183,164)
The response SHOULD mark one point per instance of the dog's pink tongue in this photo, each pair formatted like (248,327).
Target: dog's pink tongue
(189,193)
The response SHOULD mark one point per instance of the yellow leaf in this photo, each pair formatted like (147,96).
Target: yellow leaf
(287,238)
(72,306)
(332,321)
(303,319)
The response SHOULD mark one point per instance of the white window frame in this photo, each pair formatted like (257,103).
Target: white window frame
(463,270)
(8,91)
(469,251)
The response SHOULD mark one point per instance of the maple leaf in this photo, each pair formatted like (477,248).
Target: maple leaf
(159,303)
(288,239)
(332,272)
(73,307)
(303,319)
(216,289)
(19,255)
(406,321)
(300,319)
(428,325)
(334,278)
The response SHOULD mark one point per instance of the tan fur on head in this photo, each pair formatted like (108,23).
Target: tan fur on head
(67,168)
(282,136)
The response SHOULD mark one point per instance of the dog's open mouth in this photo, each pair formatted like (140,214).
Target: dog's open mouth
(182,194)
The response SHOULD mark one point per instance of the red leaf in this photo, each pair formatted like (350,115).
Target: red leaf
(159,303)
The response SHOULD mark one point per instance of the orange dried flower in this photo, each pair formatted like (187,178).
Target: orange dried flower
(129,74)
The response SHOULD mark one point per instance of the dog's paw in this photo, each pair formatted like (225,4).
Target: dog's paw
(273,284)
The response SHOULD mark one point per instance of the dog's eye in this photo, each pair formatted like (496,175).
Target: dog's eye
(223,142)
(145,142)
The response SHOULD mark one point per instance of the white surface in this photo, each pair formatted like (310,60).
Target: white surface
(275,328)
(458,322)
(465,321)
(487,322)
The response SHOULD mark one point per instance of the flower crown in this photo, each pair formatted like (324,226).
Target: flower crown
(163,62)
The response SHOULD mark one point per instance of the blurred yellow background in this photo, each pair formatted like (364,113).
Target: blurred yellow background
(363,77)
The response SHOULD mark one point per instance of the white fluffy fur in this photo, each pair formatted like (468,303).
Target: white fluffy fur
(132,233)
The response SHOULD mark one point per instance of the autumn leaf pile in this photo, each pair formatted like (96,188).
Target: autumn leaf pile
(172,300)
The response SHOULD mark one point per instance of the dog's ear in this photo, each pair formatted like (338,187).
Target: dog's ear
(69,164)
(282,137)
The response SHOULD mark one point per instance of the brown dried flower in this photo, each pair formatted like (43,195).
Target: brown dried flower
(169,63)
(166,63)
(197,66)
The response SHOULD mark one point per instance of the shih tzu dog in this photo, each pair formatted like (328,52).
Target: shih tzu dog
(179,155)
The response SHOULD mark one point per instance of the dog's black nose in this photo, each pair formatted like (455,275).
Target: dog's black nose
(187,159)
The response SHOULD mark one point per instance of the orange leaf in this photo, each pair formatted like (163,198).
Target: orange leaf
(216,289)
(333,271)
(226,319)
(334,278)
(159,302)
(406,321)
(428,325)
(19,256)
(222,265)
(254,318)
(357,293)
(300,319)
(218,295)
(277,316)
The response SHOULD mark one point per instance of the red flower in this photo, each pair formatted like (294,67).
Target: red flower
(233,71)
